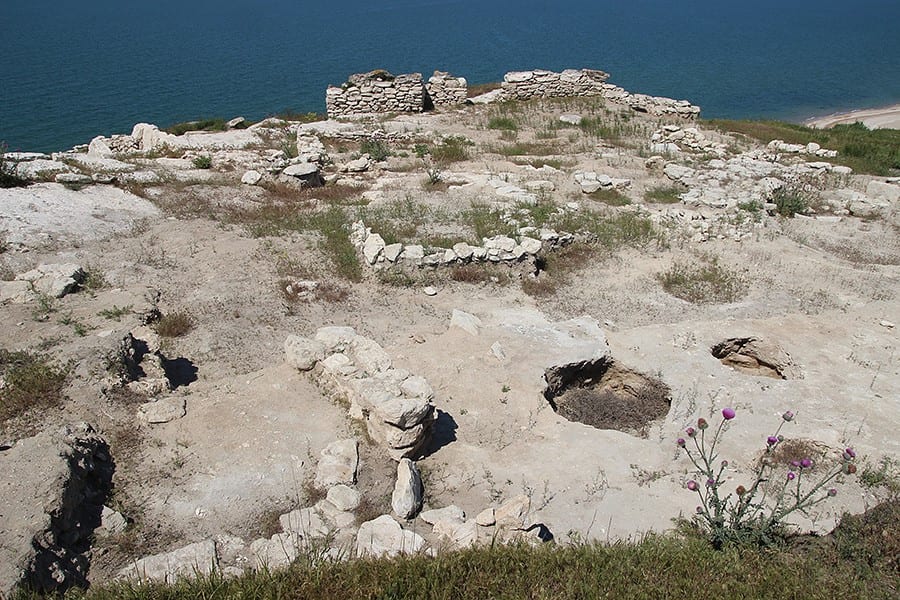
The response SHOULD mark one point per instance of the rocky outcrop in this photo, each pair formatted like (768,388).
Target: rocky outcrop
(51,501)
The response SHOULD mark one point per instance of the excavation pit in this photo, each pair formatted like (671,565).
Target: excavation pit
(606,395)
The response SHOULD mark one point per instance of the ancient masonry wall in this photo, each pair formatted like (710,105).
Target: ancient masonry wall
(380,92)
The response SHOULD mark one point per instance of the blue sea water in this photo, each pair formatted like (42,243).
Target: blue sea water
(72,70)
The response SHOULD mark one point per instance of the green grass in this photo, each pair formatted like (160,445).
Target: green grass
(664,194)
(527,149)
(202,162)
(453,148)
(486,222)
(377,149)
(872,151)
(790,202)
(32,381)
(858,561)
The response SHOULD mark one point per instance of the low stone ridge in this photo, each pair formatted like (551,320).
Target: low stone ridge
(497,249)
(54,487)
(757,356)
(395,405)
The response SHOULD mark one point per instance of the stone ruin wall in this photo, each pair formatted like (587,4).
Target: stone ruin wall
(368,93)
(381,92)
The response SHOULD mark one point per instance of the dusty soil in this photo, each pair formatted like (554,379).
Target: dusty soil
(825,290)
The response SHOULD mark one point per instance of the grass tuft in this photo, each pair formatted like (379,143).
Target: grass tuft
(174,324)
(705,283)
(30,381)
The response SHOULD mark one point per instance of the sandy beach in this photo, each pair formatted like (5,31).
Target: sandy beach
(875,118)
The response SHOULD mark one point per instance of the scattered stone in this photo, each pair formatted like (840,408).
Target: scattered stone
(163,411)
(757,357)
(486,518)
(111,522)
(185,563)
(303,353)
(359,165)
(338,464)
(373,247)
(570,119)
(343,497)
(251,177)
(887,324)
(416,386)
(430,290)
(73,179)
(408,491)
(463,320)
(392,252)
(304,523)
(370,356)
(336,339)
(451,513)
(54,280)
(513,512)
(384,537)
(235,122)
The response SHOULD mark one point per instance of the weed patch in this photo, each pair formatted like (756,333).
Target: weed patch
(610,196)
(9,171)
(664,194)
(453,148)
(201,125)
(31,381)
(705,283)
(174,324)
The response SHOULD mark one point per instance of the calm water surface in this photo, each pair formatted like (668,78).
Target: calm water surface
(72,70)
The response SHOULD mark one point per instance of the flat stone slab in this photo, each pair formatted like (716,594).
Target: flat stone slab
(50,213)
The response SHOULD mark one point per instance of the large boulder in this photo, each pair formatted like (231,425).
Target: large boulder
(384,537)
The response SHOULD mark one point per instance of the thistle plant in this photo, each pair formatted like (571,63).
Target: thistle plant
(754,513)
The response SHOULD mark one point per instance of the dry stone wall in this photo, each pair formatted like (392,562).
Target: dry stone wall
(376,92)
(446,90)
(522,85)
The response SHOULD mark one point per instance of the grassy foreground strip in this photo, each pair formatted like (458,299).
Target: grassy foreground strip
(872,151)
(859,560)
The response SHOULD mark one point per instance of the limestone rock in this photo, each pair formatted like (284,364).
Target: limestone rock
(16,292)
(384,537)
(338,464)
(278,551)
(450,513)
(392,252)
(463,320)
(359,165)
(54,280)
(370,355)
(513,512)
(303,353)
(163,411)
(187,562)
(408,491)
(251,177)
(54,486)
(336,339)
(404,413)
(416,387)
(111,522)
(343,497)
(486,518)
(570,119)
(304,523)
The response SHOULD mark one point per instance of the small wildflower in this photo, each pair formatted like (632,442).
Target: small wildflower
(699,510)
(710,482)
(690,432)
(741,490)
(680,442)
(832,492)
(701,423)
(724,463)
(728,413)
(788,415)
(849,454)
(791,476)
(850,469)
(795,463)
(806,463)
(771,440)
(692,485)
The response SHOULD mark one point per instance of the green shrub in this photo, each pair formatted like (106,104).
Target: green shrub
(376,149)
(31,381)
(790,202)
(610,196)
(202,162)
(453,148)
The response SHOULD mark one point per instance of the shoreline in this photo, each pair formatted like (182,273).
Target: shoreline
(887,117)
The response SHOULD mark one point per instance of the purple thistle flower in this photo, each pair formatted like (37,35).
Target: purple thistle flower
(724,463)
(701,423)
(788,415)
(771,440)
(710,482)
(791,476)
(690,432)
(832,492)
(795,463)
(806,463)
(699,510)
(692,485)
(728,413)
(680,442)
(849,454)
